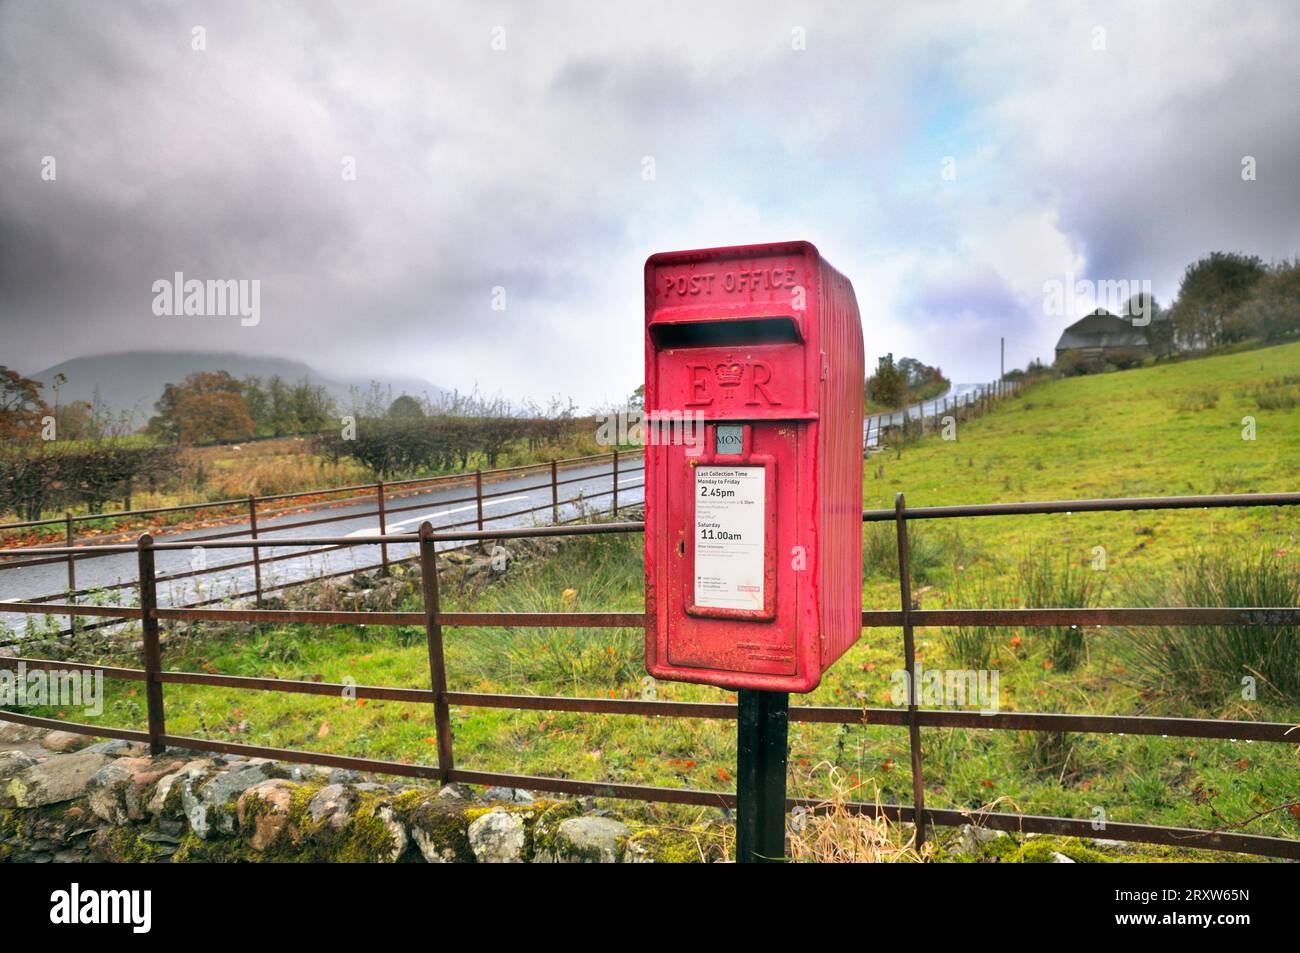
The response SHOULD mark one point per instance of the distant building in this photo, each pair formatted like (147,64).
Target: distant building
(1102,334)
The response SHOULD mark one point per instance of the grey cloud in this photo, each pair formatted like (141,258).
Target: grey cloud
(522,169)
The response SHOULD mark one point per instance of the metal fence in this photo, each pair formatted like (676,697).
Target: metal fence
(553,475)
(931,413)
(912,717)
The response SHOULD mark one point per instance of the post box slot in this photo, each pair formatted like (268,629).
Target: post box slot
(725,332)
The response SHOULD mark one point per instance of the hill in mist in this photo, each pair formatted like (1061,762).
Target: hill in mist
(134,380)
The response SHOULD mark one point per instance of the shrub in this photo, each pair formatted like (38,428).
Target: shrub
(1125,358)
(974,645)
(1281,393)
(1206,664)
(37,477)
(1198,400)
(927,551)
(1046,581)
(1074,363)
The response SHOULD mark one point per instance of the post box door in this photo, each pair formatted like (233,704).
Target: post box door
(729,553)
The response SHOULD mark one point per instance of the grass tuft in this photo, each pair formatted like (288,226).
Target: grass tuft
(1210,664)
(1050,581)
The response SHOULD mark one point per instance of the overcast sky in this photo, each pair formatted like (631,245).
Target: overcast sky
(1106,140)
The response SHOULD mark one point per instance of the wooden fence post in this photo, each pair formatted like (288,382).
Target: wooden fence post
(153,689)
(437,664)
(909,652)
(383,523)
(257,550)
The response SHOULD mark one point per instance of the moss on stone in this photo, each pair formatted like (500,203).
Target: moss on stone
(542,833)
(1040,850)
(445,824)
(671,845)
(172,802)
(126,845)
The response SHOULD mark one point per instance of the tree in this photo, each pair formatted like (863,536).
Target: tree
(405,407)
(207,406)
(213,417)
(1158,327)
(21,406)
(887,386)
(75,421)
(1210,297)
(1272,313)
(303,407)
(311,407)
(258,404)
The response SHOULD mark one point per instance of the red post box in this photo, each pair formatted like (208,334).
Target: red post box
(753,472)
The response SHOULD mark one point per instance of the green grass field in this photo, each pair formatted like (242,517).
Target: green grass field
(1165,430)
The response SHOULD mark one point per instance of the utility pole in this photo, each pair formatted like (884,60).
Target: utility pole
(1002,359)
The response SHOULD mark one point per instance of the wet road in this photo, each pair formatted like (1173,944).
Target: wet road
(872,423)
(443,507)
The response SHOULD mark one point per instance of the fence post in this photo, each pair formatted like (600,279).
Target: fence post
(383,524)
(555,494)
(153,689)
(257,551)
(762,727)
(72,569)
(909,651)
(433,635)
(615,512)
(478,503)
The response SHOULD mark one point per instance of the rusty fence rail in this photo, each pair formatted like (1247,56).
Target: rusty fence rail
(551,475)
(912,717)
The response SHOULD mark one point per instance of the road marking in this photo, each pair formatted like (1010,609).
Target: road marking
(374,530)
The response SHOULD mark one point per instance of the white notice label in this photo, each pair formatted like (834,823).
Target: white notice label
(729,537)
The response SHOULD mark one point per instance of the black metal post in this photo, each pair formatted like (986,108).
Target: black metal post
(761,749)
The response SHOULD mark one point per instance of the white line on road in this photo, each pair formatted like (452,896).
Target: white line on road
(374,530)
